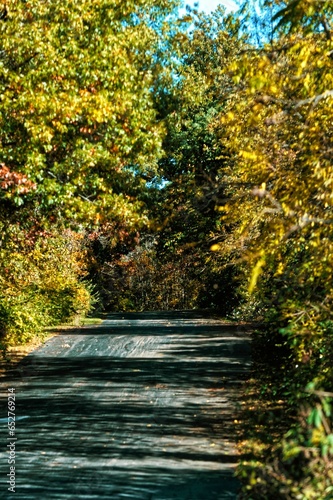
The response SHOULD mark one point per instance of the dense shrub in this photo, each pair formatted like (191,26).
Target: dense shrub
(145,278)
(41,283)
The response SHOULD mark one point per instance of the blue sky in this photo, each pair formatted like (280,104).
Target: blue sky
(210,5)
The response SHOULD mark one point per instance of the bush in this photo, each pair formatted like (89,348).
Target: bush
(41,284)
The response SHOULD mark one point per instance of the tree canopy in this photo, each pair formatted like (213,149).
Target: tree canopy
(277,127)
(80,135)
(77,115)
(148,161)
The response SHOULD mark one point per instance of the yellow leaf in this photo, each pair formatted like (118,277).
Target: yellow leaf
(255,274)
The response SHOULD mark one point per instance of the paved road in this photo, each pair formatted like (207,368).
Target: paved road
(141,407)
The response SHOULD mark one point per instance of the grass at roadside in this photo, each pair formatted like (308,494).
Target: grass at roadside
(264,421)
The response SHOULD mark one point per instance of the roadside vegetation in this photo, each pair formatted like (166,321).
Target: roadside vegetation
(195,174)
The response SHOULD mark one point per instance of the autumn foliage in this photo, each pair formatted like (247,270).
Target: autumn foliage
(152,162)
(11,181)
(79,130)
(276,125)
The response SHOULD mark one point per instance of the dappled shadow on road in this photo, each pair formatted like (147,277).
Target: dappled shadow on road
(144,412)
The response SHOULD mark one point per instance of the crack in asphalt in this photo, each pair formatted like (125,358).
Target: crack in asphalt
(141,407)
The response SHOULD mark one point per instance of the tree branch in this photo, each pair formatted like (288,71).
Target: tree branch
(315,99)
(327,28)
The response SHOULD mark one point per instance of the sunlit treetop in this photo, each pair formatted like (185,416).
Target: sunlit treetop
(76,107)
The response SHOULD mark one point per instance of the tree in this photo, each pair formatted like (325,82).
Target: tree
(277,127)
(183,197)
(77,112)
(194,158)
(80,136)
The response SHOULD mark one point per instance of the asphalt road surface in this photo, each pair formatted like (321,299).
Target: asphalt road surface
(141,407)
